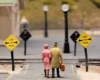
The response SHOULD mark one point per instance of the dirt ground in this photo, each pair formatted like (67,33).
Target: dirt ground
(7,68)
(92,74)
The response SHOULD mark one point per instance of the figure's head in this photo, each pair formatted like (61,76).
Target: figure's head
(46,46)
(55,44)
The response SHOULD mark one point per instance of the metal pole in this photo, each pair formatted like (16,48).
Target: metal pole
(24,47)
(75,49)
(86,56)
(46,27)
(12,58)
(66,44)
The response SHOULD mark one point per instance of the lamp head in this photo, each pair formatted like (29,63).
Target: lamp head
(65,7)
(45,8)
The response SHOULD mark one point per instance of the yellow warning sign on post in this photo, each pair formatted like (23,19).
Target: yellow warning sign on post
(84,40)
(11,42)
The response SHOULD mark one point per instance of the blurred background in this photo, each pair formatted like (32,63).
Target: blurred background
(82,13)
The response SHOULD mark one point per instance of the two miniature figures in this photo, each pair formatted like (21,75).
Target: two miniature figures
(52,59)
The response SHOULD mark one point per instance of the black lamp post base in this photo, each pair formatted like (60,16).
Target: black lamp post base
(66,47)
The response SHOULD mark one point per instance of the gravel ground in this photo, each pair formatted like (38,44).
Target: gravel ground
(92,74)
(7,68)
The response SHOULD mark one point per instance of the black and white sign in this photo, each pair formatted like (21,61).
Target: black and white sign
(25,35)
(75,36)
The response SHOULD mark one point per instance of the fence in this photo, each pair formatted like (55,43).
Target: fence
(55,24)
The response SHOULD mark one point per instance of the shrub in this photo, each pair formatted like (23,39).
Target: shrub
(67,2)
(53,2)
(76,0)
(31,0)
(97,2)
(46,1)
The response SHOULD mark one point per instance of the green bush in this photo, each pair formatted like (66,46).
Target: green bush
(46,1)
(53,2)
(97,2)
(76,0)
(31,0)
(67,1)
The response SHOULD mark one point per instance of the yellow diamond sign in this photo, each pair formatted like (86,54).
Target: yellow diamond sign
(11,42)
(84,40)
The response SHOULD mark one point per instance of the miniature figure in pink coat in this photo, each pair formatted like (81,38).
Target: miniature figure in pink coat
(46,55)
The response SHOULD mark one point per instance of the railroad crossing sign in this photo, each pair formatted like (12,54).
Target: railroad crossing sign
(75,36)
(25,35)
(11,42)
(84,40)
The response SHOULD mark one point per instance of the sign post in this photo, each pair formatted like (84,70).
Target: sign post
(85,49)
(11,43)
(25,35)
(74,37)
(75,49)
(25,48)
(12,57)
(85,40)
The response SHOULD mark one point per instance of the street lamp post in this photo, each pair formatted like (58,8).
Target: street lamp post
(66,44)
(45,9)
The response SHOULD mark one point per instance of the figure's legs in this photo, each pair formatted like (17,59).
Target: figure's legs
(53,70)
(57,69)
(45,72)
(24,26)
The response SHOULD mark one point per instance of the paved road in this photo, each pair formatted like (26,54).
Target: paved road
(35,72)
